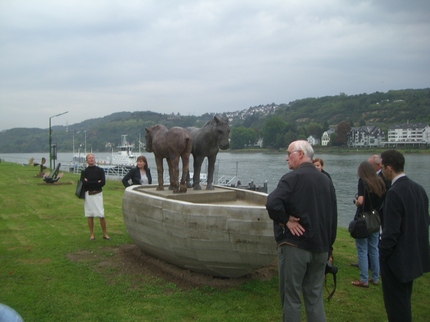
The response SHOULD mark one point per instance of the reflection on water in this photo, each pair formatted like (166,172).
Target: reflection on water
(270,167)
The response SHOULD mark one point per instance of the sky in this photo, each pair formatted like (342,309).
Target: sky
(94,58)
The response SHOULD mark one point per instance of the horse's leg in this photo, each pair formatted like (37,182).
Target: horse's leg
(188,180)
(169,164)
(185,165)
(159,163)
(174,166)
(211,167)
(197,168)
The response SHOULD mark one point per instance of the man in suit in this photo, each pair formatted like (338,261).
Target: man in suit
(404,251)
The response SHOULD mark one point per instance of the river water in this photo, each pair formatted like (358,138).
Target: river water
(262,167)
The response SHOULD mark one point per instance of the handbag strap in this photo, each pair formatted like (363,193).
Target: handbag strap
(368,194)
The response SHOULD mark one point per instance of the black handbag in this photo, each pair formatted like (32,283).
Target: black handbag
(372,218)
(357,228)
(80,192)
(365,223)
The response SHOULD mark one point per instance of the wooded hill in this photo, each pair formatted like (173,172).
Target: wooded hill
(382,109)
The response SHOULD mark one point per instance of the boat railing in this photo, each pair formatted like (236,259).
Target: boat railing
(226,181)
(118,171)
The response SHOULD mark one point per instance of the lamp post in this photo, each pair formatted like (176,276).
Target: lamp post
(50,139)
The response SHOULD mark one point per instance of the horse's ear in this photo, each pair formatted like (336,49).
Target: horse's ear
(146,129)
(216,119)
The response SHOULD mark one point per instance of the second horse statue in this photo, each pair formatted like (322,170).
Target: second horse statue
(171,144)
(207,141)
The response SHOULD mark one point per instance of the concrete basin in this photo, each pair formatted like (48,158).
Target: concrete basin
(222,232)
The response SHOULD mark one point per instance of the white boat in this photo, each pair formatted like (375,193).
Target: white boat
(221,232)
(77,163)
(124,155)
(120,161)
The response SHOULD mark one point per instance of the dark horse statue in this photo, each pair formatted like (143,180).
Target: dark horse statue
(170,144)
(206,143)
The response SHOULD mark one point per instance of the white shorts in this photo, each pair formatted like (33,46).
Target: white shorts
(93,205)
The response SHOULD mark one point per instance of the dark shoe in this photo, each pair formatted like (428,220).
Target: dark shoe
(107,238)
(354,264)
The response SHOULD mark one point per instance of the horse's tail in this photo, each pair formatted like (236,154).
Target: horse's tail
(188,144)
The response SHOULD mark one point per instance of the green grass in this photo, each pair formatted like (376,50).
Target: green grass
(41,226)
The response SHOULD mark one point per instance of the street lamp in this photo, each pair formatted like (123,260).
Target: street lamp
(50,139)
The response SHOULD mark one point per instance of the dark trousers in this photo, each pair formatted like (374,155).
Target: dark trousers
(397,295)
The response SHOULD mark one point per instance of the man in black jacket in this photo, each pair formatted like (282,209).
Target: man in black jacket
(303,208)
(404,251)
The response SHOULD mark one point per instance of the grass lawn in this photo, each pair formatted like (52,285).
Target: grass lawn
(42,227)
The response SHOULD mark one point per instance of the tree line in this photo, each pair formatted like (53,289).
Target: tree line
(275,124)
(312,116)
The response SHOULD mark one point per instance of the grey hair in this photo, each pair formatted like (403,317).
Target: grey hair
(304,146)
(376,159)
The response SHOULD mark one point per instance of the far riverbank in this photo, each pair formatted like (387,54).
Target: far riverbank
(336,150)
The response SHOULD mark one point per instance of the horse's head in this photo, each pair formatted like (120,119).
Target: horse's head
(148,138)
(150,134)
(223,132)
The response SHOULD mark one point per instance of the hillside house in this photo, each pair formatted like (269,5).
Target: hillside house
(259,143)
(365,136)
(312,140)
(325,138)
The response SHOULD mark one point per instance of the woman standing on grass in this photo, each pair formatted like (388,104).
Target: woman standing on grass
(371,190)
(93,179)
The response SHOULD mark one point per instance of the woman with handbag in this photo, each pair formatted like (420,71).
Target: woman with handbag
(371,190)
(93,179)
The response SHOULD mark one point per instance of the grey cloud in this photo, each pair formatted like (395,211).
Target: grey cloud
(96,58)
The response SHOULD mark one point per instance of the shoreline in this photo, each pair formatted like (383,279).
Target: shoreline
(317,149)
(335,150)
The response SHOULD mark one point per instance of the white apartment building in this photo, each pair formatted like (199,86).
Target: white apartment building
(409,134)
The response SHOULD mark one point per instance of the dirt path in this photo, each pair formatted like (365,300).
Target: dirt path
(129,259)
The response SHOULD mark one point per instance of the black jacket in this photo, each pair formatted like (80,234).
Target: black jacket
(134,175)
(308,194)
(93,175)
(404,243)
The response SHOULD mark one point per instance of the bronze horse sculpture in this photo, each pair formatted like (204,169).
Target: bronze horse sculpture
(207,141)
(170,144)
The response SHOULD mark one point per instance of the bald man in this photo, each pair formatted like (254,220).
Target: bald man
(303,208)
